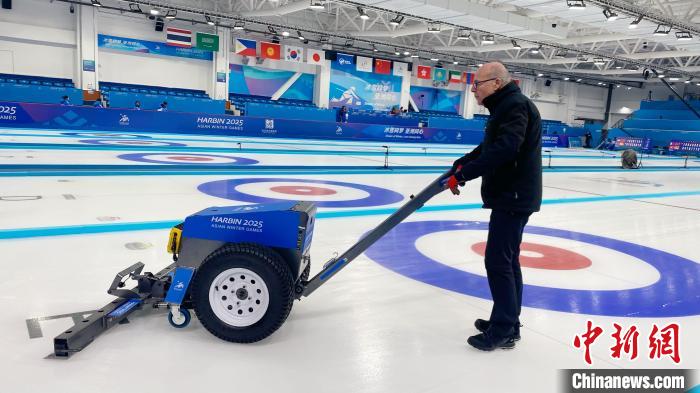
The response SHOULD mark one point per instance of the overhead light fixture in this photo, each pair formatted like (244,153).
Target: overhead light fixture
(618,66)
(317,5)
(576,4)
(516,45)
(464,34)
(487,39)
(155,11)
(285,34)
(362,13)
(455,62)
(96,3)
(662,76)
(406,53)
(396,21)
(414,55)
(434,59)
(374,48)
(535,51)
(480,64)
(561,53)
(133,7)
(600,83)
(617,86)
(171,14)
(433,29)
(683,36)
(610,15)
(540,74)
(582,58)
(635,23)
(566,78)
(598,61)
(662,30)
(210,22)
(300,36)
(240,25)
(579,80)
(396,52)
(687,82)
(629,88)
(674,78)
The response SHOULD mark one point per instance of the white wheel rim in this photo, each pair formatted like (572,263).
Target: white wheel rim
(239,297)
(179,319)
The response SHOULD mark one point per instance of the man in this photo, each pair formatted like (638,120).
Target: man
(137,105)
(509,163)
(65,101)
(163,107)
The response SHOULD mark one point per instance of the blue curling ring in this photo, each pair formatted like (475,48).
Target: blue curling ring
(105,135)
(227,189)
(675,294)
(140,157)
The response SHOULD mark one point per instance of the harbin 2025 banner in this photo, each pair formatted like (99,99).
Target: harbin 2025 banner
(362,90)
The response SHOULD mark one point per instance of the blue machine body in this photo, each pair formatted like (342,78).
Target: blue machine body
(277,224)
(178,288)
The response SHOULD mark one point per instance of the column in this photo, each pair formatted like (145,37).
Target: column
(468,103)
(405,88)
(86,63)
(322,84)
(220,67)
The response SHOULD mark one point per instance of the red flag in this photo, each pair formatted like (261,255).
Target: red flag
(468,78)
(517,82)
(269,50)
(382,66)
(424,72)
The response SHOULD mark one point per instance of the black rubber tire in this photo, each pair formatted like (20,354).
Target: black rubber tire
(266,263)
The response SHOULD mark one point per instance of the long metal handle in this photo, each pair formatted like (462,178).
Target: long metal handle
(415,203)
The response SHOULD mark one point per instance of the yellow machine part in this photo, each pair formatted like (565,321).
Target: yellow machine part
(175,239)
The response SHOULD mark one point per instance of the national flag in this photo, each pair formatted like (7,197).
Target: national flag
(455,76)
(246,47)
(315,56)
(440,75)
(364,64)
(382,66)
(293,53)
(517,82)
(179,37)
(269,50)
(423,72)
(400,68)
(467,77)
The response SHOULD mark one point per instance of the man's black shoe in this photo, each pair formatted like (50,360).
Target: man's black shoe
(485,342)
(484,325)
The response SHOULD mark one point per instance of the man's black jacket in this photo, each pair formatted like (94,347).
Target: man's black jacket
(509,159)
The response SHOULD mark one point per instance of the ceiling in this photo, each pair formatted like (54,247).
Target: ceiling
(568,39)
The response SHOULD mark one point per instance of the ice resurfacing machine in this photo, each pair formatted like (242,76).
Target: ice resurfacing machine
(239,268)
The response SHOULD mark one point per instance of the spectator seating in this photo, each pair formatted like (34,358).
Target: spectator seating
(120,95)
(25,88)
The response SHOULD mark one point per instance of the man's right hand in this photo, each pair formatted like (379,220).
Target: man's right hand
(461,161)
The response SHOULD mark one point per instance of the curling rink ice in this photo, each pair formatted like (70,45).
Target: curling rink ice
(609,246)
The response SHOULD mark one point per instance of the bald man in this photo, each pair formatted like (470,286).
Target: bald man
(509,163)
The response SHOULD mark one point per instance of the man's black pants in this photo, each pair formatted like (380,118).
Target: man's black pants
(503,269)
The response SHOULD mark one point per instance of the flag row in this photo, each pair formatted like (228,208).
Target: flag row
(443,75)
(273,51)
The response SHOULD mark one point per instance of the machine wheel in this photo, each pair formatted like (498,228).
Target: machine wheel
(243,292)
(181,322)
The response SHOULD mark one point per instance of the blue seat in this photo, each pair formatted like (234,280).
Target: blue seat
(23,82)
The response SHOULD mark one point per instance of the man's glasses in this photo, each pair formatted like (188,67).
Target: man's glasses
(478,83)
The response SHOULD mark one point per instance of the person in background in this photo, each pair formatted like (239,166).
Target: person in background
(97,104)
(509,162)
(588,137)
(346,114)
(65,101)
(163,107)
(137,105)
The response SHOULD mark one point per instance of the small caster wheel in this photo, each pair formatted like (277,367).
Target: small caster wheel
(182,321)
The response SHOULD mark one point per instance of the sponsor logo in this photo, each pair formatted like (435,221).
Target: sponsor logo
(123,120)
(179,286)
(339,130)
(344,61)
